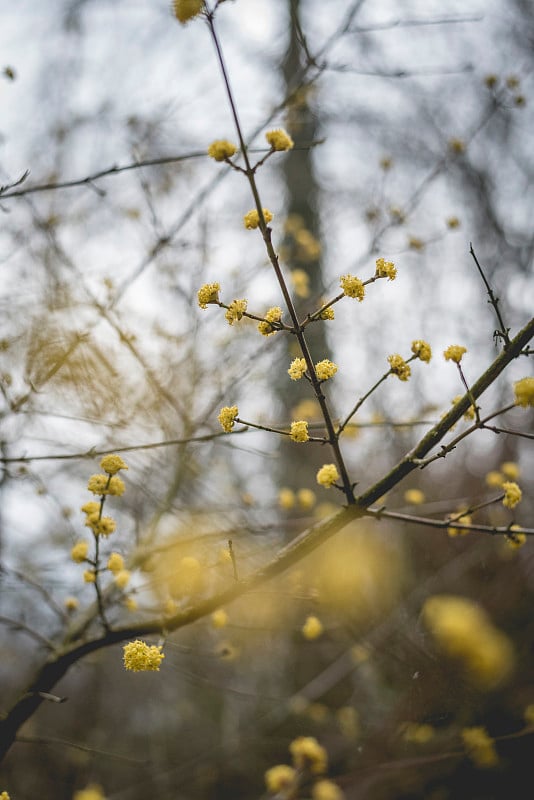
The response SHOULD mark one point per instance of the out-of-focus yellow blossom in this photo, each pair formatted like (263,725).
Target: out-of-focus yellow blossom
(227,417)
(524,392)
(512,81)
(398,214)
(327,475)
(318,712)
(312,628)
(399,367)
(470,413)
(352,287)
(348,721)
(112,463)
(306,499)
(465,634)
(299,431)
(219,618)
(480,747)
(141,657)
(306,409)
(91,792)
(235,311)
(71,604)
(491,80)
(184,10)
(326,790)
(79,552)
(452,222)
(327,314)
(252,218)
(274,314)
(308,754)
(386,162)
(106,484)
(325,369)
(104,526)
(301,282)
(456,145)
(279,139)
(465,519)
(122,578)
(308,247)
(130,603)
(286,499)
(514,539)
(115,562)
(386,269)
(221,149)
(89,576)
(416,243)
(422,350)
(454,352)
(417,733)
(414,496)
(510,470)
(208,293)
(494,479)
(297,369)
(512,494)
(279,778)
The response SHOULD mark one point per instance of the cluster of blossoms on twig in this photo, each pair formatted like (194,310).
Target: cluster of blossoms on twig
(305,777)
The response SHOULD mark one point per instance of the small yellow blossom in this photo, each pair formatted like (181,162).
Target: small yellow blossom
(106,484)
(510,470)
(208,293)
(494,479)
(286,498)
(456,145)
(104,526)
(91,507)
(4,795)
(512,494)
(219,618)
(89,576)
(326,790)
(524,392)
(299,431)
(71,604)
(514,538)
(279,778)
(221,149)
(385,269)
(325,369)
(327,314)
(115,563)
(79,552)
(452,222)
(307,753)
(130,603)
(399,367)
(416,243)
(279,139)
(414,496)
(491,80)
(416,733)
(235,311)
(454,352)
(512,81)
(465,519)
(227,417)
(91,792)
(470,413)
(352,287)
(112,464)
(301,282)
(297,369)
(386,162)
(312,628)
(273,314)
(306,499)
(327,475)
(184,10)
(349,723)
(139,656)
(480,747)
(422,350)
(252,218)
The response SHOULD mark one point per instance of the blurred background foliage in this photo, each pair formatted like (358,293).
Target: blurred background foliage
(413,131)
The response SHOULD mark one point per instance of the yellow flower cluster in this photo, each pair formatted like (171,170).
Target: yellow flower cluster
(304,497)
(4,796)
(79,552)
(352,287)
(297,369)
(112,464)
(414,496)
(301,282)
(465,634)
(312,628)
(512,494)
(184,10)
(219,618)
(328,313)
(454,352)
(524,392)
(91,792)
(326,790)
(274,314)
(100,527)
(141,657)
(299,431)
(252,218)
(122,578)
(399,367)
(106,484)
(227,417)
(115,563)
(221,149)
(417,733)
(308,754)
(279,139)
(465,519)
(325,369)
(235,311)
(279,778)
(209,293)
(422,350)
(480,747)
(327,475)
(457,145)
(514,539)
(385,269)
(470,413)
